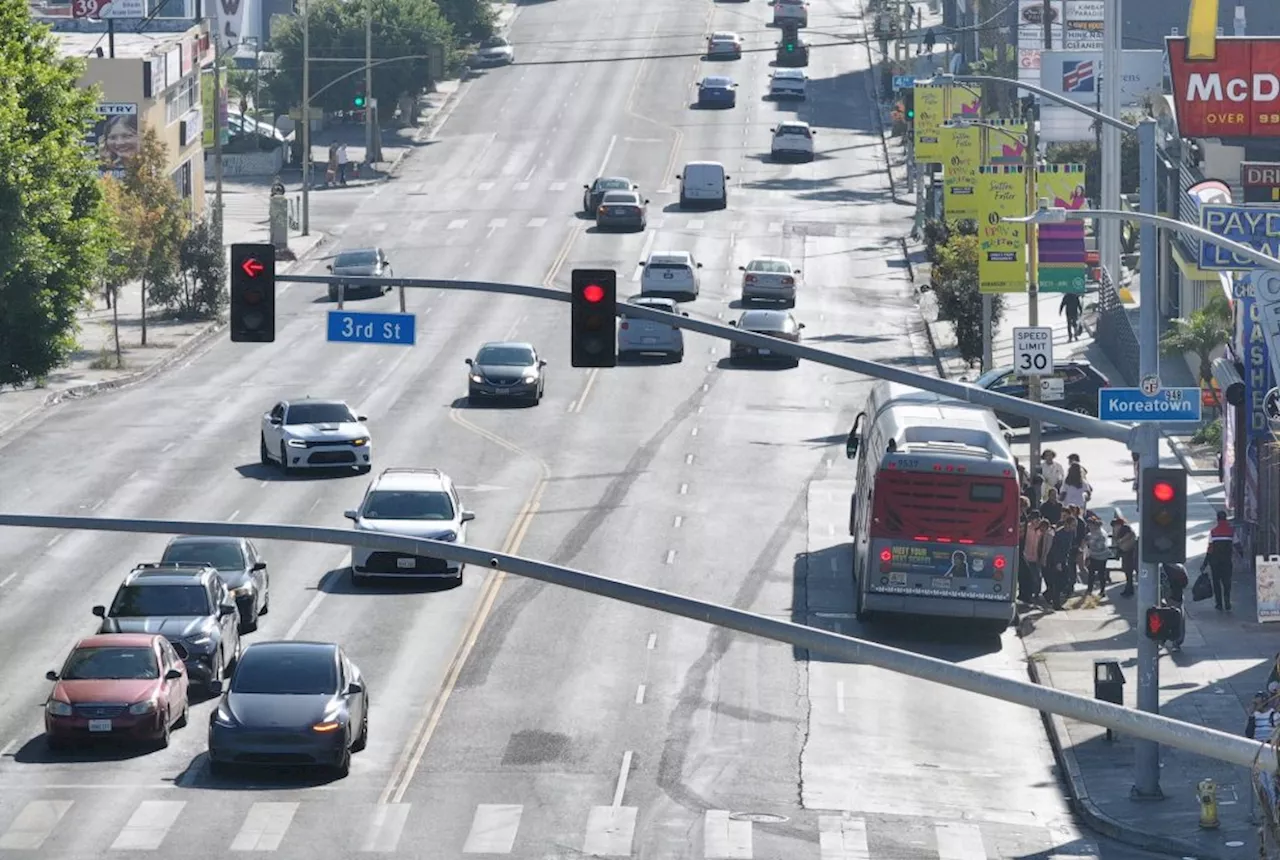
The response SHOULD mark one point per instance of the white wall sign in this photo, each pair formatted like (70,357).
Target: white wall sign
(1052,388)
(1033,350)
(1268,587)
(124,9)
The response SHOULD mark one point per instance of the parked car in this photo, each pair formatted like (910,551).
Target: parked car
(1081,382)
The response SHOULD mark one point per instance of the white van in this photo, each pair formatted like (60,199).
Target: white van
(704,182)
(673,274)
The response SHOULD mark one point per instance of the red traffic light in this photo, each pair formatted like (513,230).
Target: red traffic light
(593,293)
(252,267)
(1162,491)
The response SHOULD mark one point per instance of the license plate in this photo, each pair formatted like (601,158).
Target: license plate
(618,212)
(648,340)
(942,582)
(99,725)
(765,352)
(407,562)
(502,390)
(667,275)
(898,578)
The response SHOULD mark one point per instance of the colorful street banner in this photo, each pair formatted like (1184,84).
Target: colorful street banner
(935,104)
(962,149)
(1002,247)
(1006,142)
(1060,247)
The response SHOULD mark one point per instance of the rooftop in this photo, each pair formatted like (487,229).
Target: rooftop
(128,45)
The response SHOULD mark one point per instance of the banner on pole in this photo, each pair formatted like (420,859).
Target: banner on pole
(935,104)
(1002,247)
(961,146)
(1061,251)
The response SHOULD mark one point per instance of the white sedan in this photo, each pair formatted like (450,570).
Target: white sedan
(724,44)
(788,84)
(315,434)
(770,279)
(494,51)
(792,139)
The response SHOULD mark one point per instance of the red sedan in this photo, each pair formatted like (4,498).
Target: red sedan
(118,686)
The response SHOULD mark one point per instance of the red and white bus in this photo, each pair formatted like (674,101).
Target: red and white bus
(934,514)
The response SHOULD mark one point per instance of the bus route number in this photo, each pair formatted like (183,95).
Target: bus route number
(908,464)
(1033,350)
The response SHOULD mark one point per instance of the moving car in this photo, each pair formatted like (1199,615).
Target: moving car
(592,194)
(770,279)
(188,605)
(315,434)
(792,139)
(794,12)
(506,369)
(792,53)
(625,209)
(717,91)
(704,182)
(118,686)
(238,563)
(673,274)
(724,45)
(416,502)
(1080,382)
(779,324)
(788,84)
(290,704)
(494,51)
(364,263)
(637,337)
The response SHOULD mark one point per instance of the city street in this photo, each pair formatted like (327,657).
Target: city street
(509,717)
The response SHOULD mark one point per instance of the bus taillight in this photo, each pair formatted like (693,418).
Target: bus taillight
(965,540)
(886,555)
(1000,562)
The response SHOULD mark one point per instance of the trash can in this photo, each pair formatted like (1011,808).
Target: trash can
(1108,684)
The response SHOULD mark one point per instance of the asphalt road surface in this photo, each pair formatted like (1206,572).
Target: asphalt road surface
(511,717)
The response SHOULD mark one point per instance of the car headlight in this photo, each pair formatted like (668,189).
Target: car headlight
(327,726)
(202,640)
(143,707)
(475,377)
(223,717)
(363,440)
(531,376)
(296,443)
(241,591)
(58,709)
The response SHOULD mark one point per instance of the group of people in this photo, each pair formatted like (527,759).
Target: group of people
(336,170)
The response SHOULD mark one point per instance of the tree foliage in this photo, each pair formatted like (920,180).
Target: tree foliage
(1200,334)
(51,218)
(1086,152)
(955,281)
(401,28)
(199,289)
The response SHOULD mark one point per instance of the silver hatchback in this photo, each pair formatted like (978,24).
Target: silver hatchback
(637,337)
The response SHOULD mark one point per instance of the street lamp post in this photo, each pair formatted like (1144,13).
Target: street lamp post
(306,119)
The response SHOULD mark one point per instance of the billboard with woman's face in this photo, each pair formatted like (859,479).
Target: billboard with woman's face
(115,136)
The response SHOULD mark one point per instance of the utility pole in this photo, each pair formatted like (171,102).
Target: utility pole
(306,119)
(1109,234)
(369,109)
(1033,300)
(1146,754)
(217,139)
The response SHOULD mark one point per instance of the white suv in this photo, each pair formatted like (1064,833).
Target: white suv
(415,503)
(673,274)
(792,139)
(788,84)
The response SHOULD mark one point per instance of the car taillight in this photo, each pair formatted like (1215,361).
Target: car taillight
(788,281)
(624,325)
(750,279)
(600,211)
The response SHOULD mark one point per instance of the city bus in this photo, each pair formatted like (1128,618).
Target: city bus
(934,513)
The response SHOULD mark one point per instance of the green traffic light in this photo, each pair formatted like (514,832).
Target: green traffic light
(359,101)
(911,114)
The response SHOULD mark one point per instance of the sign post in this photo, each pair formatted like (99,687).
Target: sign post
(1033,350)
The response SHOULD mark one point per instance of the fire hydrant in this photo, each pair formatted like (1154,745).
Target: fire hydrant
(1207,794)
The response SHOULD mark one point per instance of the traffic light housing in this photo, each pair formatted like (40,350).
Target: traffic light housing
(358,101)
(1163,624)
(909,104)
(594,337)
(1164,515)
(253,293)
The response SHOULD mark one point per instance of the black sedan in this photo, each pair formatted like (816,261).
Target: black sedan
(592,194)
(290,704)
(506,370)
(771,323)
(239,566)
(1074,386)
(792,54)
(624,210)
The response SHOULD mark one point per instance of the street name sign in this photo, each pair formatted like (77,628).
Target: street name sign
(356,327)
(1033,350)
(903,82)
(1131,405)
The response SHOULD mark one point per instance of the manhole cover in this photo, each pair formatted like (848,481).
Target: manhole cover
(759,817)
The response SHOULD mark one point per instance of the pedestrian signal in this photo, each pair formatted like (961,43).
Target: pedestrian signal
(1164,624)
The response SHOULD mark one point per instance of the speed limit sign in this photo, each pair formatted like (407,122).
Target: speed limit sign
(1033,350)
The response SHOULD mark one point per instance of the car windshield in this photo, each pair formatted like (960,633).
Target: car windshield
(776,266)
(319,413)
(512,356)
(356,258)
(111,663)
(612,183)
(672,267)
(763,320)
(495,42)
(303,672)
(990,377)
(159,601)
(717,83)
(394,505)
(224,555)
(659,304)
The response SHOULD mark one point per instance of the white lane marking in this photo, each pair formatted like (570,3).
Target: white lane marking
(609,831)
(675,524)
(265,826)
(34,824)
(623,772)
(520,186)
(652,642)
(684,489)
(54,540)
(98,504)
(724,839)
(497,223)
(385,828)
(688,459)
(840,696)
(457,224)
(706,387)
(649,239)
(8,748)
(842,838)
(537,222)
(775,227)
(640,695)
(557,186)
(737,226)
(8,579)
(826,404)
(700,409)
(831,530)
(234,514)
(608,153)
(493,829)
(959,841)
(168,447)
(671,556)
(695,224)
(484,186)
(306,614)
(148,825)
(693,432)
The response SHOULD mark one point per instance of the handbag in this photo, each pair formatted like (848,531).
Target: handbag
(1203,589)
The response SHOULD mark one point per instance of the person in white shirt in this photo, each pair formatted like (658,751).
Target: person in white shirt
(1075,489)
(1051,470)
(1264,719)
(342,163)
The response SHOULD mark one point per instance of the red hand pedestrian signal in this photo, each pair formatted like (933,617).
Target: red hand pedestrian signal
(252,267)
(593,293)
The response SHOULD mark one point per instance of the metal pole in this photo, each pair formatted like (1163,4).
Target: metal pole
(306,119)
(1033,301)
(368,82)
(1109,235)
(1047,14)
(1147,753)
(987,310)
(111,38)
(217,138)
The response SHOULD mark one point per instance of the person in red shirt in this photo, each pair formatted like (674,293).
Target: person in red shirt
(1218,560)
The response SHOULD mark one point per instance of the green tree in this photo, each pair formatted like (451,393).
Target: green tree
(1200,334)
(1086,153)
(955,281)
(51,218)
(401,28)
(199,290)
(119,215)
(157,219)
(471,19)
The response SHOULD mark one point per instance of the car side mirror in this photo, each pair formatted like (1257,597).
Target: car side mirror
(733,323)
(354,689)
(685,314)
(215,688)
(541,363)
(796,272)
(172,675)
(351,514)
(678,176)
(468,516)
(727,177)
(800,325)
(697,265)
(100,611)
(965,378)
(468,362)
(226,609)
(851,446)
(275,420)
(329,267)
(586,187)
(646,202)
(51,675)
(259,565)
(362,418)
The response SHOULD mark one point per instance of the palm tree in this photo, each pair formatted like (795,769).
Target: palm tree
(1201,333)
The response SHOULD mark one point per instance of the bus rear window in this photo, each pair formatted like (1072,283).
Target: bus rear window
(928,505)
(986,493)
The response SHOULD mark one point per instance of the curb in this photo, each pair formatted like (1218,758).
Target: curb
(1184,457)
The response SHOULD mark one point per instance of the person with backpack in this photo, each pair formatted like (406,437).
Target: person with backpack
(1126,543)
(1263,719)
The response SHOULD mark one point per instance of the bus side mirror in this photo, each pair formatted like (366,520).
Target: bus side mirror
(851,447)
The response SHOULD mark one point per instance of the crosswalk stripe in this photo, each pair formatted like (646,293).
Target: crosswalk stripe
(497,223)
(695,224)
(457,223)
(484,186)
(959,841)
(493,829)
(265,826)
(521,186)
(610,830)
(737,226)
(557,186)
(34,824)
(725,839)
(148,825)
(842,838)
(536,222)
(385,828)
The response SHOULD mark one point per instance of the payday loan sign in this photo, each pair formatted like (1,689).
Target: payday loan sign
(1255,226)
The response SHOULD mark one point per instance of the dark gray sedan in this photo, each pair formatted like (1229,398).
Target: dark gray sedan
(624,210)
(592,194)
(362,262)
(290,704)
(239,565)
(771,323)
(506,370)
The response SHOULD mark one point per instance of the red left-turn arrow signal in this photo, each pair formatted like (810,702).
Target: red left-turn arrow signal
(252,267)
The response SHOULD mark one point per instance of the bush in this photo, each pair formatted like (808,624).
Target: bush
(955,280)
(197,289)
